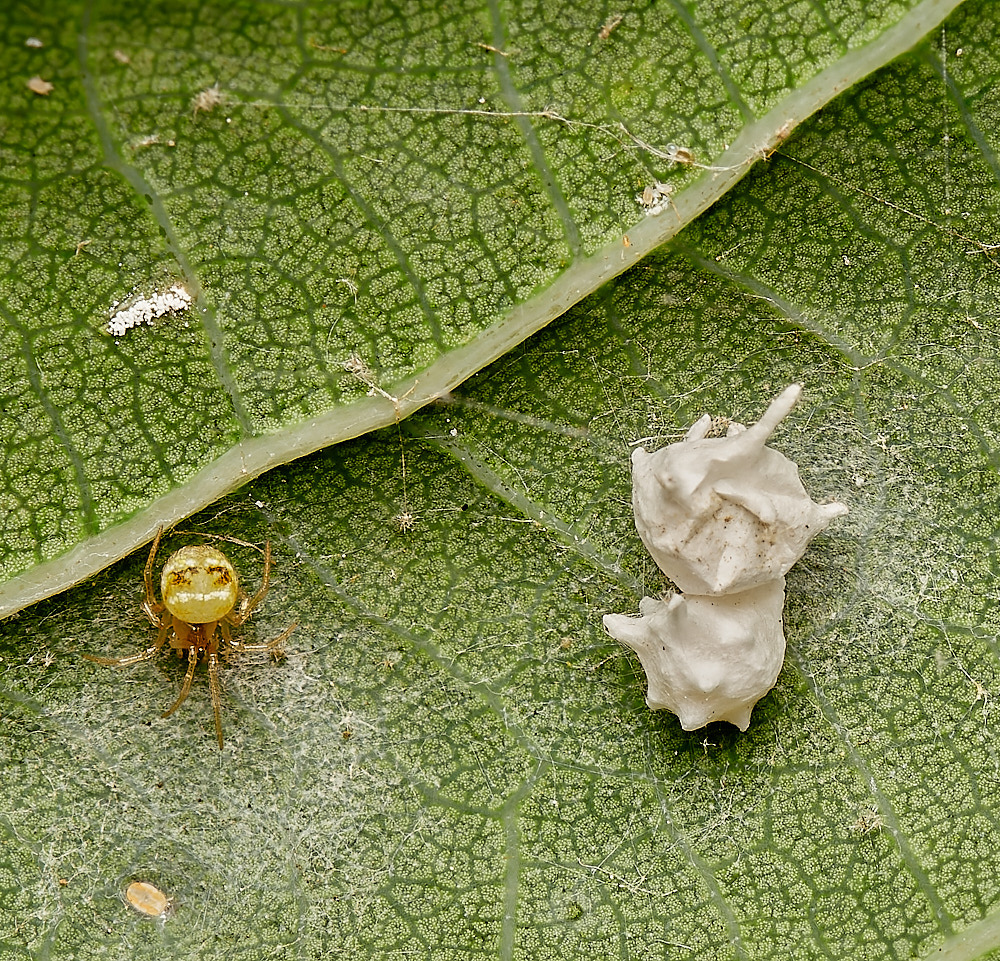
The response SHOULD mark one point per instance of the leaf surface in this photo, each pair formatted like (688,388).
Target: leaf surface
(454,760)
(366,203)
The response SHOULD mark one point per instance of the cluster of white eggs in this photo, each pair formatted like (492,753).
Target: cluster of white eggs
(147,309)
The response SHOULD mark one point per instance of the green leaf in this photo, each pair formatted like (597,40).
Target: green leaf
(366,203)
(503,791)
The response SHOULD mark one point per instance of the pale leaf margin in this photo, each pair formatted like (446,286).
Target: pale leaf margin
(978,940)
(387,405)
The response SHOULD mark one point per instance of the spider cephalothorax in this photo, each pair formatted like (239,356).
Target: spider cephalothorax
(202,600)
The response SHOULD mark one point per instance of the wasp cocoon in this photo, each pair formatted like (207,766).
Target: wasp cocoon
(707,658)
(724,514)
(725,518)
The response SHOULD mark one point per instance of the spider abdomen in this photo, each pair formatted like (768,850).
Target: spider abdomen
(199,584)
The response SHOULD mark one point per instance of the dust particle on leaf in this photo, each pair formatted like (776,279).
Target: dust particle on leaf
(655,198)
(609,26)
(207,99)
(680,155)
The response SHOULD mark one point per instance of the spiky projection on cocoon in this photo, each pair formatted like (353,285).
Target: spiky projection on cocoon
(725,518)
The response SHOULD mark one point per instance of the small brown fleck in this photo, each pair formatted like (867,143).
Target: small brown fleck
(318,46)
(680,155)
(42,87)
(609,26)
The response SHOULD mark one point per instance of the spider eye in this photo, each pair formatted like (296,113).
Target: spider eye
(199,584)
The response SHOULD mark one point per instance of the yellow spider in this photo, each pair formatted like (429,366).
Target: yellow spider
(202,599)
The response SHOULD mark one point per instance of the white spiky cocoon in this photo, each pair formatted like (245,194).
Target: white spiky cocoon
(724,514)
(725,518)
(707,658)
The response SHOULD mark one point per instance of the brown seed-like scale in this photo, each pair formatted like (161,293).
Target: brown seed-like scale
(148,899)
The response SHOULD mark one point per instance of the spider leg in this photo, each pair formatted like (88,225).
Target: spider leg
(213,683)
(145,655)
(151,605)
(186,686)
(247,604)
(272,645)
